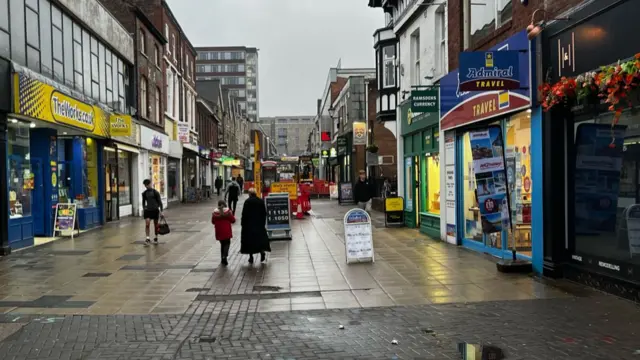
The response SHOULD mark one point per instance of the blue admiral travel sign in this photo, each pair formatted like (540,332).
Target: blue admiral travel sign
(461,107)
(489,70)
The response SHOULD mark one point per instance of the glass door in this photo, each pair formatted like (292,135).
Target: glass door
(111,184)
(416,188)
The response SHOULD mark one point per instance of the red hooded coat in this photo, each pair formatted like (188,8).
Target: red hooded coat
(222,220)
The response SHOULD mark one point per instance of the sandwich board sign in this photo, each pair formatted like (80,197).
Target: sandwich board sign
(278,216)
(64,221)
(358,237)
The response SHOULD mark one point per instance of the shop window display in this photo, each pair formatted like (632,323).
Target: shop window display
(433,184)
(21,179)
(472,223)
(157,171)
(606,186)
(124,177)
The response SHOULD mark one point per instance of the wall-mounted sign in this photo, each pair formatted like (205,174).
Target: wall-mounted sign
(333,153)
(120,125)
(489,70)
(424,101)
(463,107)
(154,140)
(183,132)
(359,133)
(37,99)
(325,136)
(325,154)
(342,145)
(222,145)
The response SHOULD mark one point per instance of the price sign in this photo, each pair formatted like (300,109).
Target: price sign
(278,212)
(358,236)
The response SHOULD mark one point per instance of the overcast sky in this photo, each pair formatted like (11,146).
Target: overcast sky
(299,40)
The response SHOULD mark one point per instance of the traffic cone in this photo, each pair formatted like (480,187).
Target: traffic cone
(299,214)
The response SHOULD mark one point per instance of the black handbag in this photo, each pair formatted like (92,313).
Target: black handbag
(163,227)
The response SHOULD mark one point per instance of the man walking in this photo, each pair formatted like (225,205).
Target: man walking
(231,193)
(218,184)
(363,192)
(152,205)
(240,182)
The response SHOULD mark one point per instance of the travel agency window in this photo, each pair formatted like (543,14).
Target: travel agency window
(606,189)
(516,184)
(21,179)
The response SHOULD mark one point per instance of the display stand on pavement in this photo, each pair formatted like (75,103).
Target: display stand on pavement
(358,236)
(278,216)
(65,221)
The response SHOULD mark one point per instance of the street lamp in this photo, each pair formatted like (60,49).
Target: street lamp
(533,30)
(332,112)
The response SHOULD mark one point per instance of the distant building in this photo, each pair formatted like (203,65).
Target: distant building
(289,133)
(237,69)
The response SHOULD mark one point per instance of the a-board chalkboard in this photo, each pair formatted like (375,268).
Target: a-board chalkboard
(345,193)
(278,215)
(358,236)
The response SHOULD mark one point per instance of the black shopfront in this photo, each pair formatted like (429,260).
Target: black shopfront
(591,166)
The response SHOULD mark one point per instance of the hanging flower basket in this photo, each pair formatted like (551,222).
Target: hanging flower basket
(373,148)
(612,83)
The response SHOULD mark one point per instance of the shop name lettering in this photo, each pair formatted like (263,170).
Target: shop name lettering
(425,101)
(156,142)
(483,73)
(119,123)
(65,109)
(609,266)
(485,107)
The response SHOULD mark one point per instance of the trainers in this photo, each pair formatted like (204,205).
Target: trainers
(147,241)
(155,239)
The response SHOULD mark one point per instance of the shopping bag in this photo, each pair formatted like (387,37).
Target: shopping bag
(163,227)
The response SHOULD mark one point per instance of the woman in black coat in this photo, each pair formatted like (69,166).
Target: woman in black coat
(254,237)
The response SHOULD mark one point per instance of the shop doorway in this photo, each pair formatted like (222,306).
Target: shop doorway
(111,200)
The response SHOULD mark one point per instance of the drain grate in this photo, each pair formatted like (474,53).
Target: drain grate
(204,339)
(97,274)
(259,296)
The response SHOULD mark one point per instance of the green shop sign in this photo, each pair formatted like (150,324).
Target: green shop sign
(412,121)
(425,101)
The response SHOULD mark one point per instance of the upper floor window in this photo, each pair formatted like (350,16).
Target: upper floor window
(186,69)
(143,42)
(144,103)
(158,106)
(388,66)
(166,31)
(415,58)
(486,17)
(156,54)
(173,45)
(441,44)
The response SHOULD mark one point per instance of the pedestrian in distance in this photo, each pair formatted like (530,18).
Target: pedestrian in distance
(218,184)
(232,193)
(240,182)
(253,237)
(363,192)
(222,218)
(152,210)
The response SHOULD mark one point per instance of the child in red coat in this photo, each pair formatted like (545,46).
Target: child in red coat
(222,218)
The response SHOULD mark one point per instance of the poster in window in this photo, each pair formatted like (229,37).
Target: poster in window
(487,149)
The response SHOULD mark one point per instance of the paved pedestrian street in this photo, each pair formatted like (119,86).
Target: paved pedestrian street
(105,295)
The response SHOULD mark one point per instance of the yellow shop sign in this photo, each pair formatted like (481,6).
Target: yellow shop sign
(39,100)
(69,111)
(120,125)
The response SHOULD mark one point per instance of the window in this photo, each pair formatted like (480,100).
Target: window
(86,61)
(415,56)
(188,67)
(156,54)
(166,31)
(158,106)
(124,177)
(487,16)
(21,179)
(143,97)
(173,45)
(441,45)
(170,92)
(143,42)
(389,68)
(68,49)
(157,173)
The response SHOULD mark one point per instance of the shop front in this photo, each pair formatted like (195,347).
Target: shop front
(421,164)
(592,148)
(492,158)
(155,153)
(121,176)
(205,168)
(174,169)
(54,155)
(190,168)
